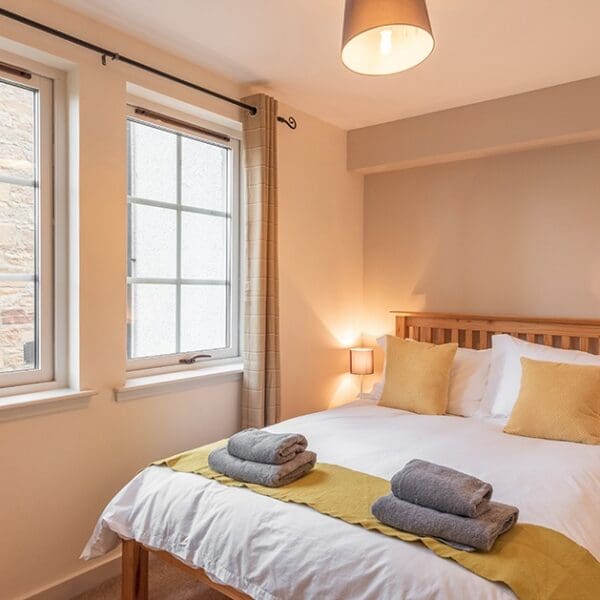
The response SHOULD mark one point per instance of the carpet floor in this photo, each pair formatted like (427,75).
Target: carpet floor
(165,583)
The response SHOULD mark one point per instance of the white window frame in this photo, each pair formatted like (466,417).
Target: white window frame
(171,362)
(45,259)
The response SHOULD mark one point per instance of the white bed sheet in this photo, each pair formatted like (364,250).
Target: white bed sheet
(275,550)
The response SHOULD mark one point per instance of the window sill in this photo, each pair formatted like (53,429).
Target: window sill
(39,403)
(157,385)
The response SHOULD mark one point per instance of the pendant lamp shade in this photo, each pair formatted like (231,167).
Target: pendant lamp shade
(385,36)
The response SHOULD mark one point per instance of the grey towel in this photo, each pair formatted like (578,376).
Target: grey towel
(464,533)
(441,488)
(254,472)
(265,447)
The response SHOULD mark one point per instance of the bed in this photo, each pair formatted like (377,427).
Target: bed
(250,546)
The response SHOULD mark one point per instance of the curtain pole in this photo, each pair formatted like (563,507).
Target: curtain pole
(124,59)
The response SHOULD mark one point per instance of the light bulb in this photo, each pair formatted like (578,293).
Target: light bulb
(385,42)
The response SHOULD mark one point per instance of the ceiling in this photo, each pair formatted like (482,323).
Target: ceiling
(484,49)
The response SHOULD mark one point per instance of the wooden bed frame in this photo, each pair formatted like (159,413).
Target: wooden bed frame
(134,572)
(475,331)
(469,331)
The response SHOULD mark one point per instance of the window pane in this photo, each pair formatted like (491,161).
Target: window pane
(153,241)
(18,314)
(153,163)
(203,175)
(178,244)
(203,317)
(203,246)
(152,319)
(17,229)
(17,325)
(17,127)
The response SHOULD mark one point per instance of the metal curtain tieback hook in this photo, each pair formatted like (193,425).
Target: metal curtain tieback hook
(290,122)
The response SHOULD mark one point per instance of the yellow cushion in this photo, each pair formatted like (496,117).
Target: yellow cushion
(417,375)
(557,401)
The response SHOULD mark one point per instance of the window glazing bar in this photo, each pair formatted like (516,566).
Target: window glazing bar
(175,281)
(25,182)
(182,207)
(18,277)
(178,263)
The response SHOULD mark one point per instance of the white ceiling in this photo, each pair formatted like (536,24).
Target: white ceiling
(484,49)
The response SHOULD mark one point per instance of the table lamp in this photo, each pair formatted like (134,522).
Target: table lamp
(361,363)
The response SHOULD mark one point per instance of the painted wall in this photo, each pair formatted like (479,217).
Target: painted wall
(509,234)
(59,470)
(555,115)
(320,234)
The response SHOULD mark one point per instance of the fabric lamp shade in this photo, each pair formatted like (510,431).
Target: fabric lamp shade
(361,361)
(382,37)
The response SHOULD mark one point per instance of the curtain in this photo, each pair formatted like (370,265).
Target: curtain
(261,381)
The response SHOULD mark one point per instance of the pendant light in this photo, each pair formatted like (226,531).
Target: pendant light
(385,36)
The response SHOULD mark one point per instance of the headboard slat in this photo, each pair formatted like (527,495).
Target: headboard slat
(438,327)
(468,338)
(483,340)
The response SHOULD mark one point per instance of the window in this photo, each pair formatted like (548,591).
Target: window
(183,246)
(26,231)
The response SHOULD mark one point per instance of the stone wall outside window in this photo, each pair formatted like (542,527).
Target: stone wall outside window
(17,227)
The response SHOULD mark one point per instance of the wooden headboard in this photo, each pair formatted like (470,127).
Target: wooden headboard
(475,331)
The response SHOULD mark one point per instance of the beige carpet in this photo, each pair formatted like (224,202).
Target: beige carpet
(166,583)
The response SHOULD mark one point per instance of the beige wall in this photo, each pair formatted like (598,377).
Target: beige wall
(511,234)
(59,470)
(321,265)
(551,116)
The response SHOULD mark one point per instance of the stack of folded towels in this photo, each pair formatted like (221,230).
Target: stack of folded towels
(430,500)
(258,456)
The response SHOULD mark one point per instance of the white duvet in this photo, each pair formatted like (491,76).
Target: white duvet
(275,550)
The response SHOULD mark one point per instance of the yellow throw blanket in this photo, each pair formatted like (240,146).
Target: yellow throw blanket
(535,562)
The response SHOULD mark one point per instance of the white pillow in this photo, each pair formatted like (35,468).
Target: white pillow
(468,380)
(505,373)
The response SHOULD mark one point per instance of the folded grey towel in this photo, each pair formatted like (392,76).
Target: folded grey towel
(441,488)
(254,472)
(464,533)
(265,447)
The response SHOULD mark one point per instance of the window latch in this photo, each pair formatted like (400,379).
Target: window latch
(192,359)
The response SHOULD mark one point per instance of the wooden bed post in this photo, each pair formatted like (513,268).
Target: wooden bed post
(401,330)
(134,571)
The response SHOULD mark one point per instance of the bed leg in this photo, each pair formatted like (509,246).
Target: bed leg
(134,571)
